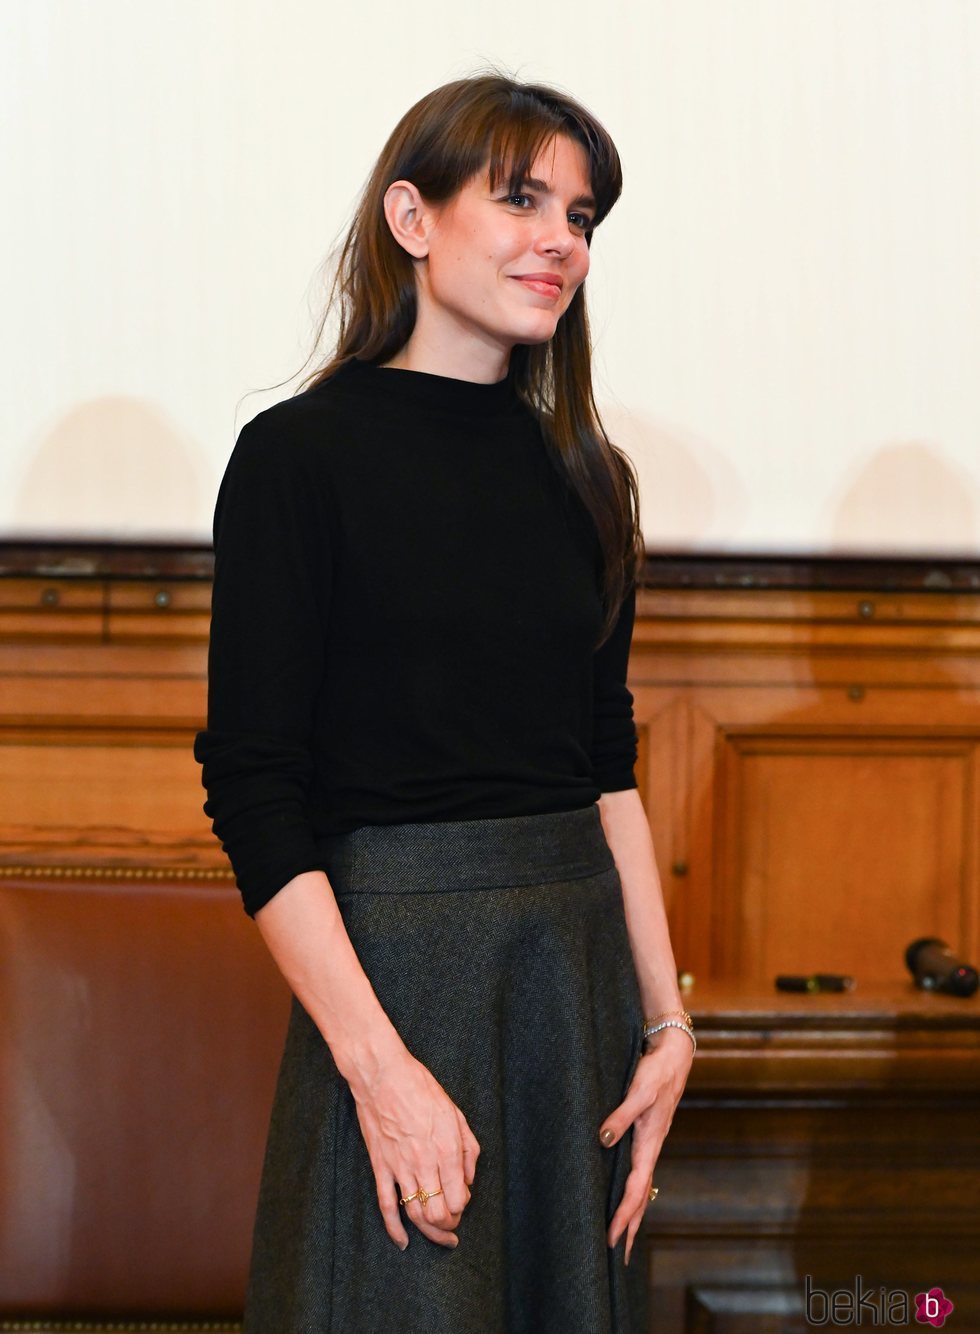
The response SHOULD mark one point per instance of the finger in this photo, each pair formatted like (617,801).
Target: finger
(631,1232)
(440,1235)
(451,1175)
(636,1196)
(435,1208)
(445,1236)
(470,1155)
(471,1149)
(628,1224)
(622,1117)
(437,1226)
(388,1197)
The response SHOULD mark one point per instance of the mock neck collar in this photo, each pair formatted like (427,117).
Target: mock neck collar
(396,384)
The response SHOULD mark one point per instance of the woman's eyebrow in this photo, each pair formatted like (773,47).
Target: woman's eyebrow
(585,200)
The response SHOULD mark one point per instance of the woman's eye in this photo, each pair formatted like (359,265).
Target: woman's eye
(579,220)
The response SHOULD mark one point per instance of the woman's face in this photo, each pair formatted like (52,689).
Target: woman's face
(500,269)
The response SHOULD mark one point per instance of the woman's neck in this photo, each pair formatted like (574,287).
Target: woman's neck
(480,363)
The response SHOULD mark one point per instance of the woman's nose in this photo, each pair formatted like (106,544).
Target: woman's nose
(555,238)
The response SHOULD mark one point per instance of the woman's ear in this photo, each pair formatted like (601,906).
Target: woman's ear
(409,217)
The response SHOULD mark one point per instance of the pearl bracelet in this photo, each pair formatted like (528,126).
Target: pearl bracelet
(650,1029)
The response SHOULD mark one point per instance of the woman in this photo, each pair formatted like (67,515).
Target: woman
(419,759)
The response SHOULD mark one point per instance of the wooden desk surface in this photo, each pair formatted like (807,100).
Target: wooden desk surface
(745,1004)
(880,1039)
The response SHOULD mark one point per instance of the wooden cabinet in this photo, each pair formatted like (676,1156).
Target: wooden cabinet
(825,1151)
(810,762)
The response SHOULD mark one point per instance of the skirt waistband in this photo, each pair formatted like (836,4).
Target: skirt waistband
(467,854)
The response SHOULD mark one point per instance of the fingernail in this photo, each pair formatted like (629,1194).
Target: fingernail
(607,1137)
(403,1245)
(455,1243)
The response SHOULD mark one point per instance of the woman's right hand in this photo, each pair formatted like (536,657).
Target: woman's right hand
(417,1137)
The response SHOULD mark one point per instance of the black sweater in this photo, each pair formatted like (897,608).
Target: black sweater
(403,615)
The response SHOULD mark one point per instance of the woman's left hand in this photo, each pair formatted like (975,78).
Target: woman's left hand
(649,1105)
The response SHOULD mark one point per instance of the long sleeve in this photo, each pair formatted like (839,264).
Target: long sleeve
(270,599)
(614,747)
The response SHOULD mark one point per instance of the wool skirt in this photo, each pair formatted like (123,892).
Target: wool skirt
(499,950)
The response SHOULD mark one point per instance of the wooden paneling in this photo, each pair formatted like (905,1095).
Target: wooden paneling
(808,890)
(808,758)
(814,797)
(808,751)
(103,683)
(91,795)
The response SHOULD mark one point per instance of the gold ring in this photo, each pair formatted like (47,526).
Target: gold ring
(423,1196)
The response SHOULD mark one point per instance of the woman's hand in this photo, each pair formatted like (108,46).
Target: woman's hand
(649,1105)
(417,1138)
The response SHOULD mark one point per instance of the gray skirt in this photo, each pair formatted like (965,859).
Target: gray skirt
(499,950)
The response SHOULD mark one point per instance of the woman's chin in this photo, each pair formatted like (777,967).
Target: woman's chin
(540,332)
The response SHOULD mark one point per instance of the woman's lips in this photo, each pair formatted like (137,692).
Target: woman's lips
(542,288)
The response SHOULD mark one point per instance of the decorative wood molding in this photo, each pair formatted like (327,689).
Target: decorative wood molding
(165,874)
(886,574)
(104,560)
(73,1326)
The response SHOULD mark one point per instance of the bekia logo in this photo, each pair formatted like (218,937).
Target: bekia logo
(887,1306)
(932,1307)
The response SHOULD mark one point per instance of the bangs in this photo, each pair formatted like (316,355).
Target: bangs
(521,132)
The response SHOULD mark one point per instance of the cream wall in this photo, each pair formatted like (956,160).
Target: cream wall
(785,300)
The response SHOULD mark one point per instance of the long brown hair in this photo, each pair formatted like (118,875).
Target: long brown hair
(439,144)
